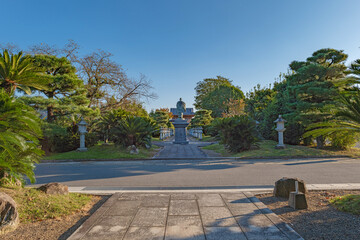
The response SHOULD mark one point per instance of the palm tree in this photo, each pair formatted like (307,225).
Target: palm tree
(19,133)
(134,131)
(347,118)
(17,71)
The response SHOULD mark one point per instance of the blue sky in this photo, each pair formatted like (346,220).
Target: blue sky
(177,43)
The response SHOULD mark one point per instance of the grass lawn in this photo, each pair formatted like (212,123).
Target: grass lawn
(208,139)
(348,203)
(267,149)
(35,205)
(102,151)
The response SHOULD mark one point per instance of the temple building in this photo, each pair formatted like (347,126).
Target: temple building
(188,115)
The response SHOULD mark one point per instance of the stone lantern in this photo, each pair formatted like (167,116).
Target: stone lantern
(280,128)
(82,130)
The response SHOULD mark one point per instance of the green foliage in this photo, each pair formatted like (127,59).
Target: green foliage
(65,92)
(204,87)
(257,101)
(161,118)
(202,118)
(18,71)
(238,133)
(64,137)
(349,203)
(343,140)
(19,133)
(110,120)
(133,131)
(345,128)
(218,99)
(314,86)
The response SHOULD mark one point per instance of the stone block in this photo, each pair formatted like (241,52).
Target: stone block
(9,217)
(284,186)
(54,188)
(297,200)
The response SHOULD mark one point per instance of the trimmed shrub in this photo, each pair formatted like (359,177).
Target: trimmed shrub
(238,133)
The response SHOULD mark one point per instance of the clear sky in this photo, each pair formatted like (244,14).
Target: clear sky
(177,43)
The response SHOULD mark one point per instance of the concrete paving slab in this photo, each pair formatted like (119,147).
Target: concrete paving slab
(258,226)
(184,221)
(124,208)
(217,217)
(238,209)
(233,196)
(184,232)
(150,217)
(132,216)
(183,196)
(183,207)
(145,233)
(113,221)
(228,233)
(210,200)
(105,232)
(156,201)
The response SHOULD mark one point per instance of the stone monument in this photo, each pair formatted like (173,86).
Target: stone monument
(82,130)
(180,124)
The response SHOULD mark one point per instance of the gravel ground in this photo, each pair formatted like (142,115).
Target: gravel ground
(54,228)
(320,220)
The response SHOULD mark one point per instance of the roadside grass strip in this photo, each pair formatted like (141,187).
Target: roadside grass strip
(34,205)
(349,203)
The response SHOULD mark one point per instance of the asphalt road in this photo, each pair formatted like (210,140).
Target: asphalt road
(198,173)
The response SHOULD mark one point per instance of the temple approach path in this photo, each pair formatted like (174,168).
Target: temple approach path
(179,151)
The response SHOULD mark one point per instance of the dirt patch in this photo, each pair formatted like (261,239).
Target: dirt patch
(321,220)
(60,228)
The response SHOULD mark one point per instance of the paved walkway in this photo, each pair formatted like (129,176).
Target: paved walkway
(189,216)
(179,151)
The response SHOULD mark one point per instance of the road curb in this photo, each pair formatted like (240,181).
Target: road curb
(112,190)
(195,159)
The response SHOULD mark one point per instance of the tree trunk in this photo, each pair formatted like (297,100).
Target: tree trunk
(320,142)
(50,114)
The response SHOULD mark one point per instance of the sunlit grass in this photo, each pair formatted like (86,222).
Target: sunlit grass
(34,205)
(348,203)
(104,151)
(267,149)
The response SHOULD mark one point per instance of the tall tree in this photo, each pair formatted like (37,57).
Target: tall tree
(62,83)
(204,87)
(218,100)
(313,86)
(257,100)
(201,118)
(105,79)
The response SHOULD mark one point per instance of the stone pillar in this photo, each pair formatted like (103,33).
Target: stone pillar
(180,131)
(200,133)
(82,130)
(280,128)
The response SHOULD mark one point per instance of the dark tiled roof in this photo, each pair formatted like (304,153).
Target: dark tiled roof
(189,111)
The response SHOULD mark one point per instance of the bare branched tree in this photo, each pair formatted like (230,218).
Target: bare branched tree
(11,47)
(70,50)
(107,83)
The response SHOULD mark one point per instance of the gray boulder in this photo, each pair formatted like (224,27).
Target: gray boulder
(284,186)
(9,217)
(54,188)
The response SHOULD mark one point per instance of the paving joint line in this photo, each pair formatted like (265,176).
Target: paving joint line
(226,205)
(201,220)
